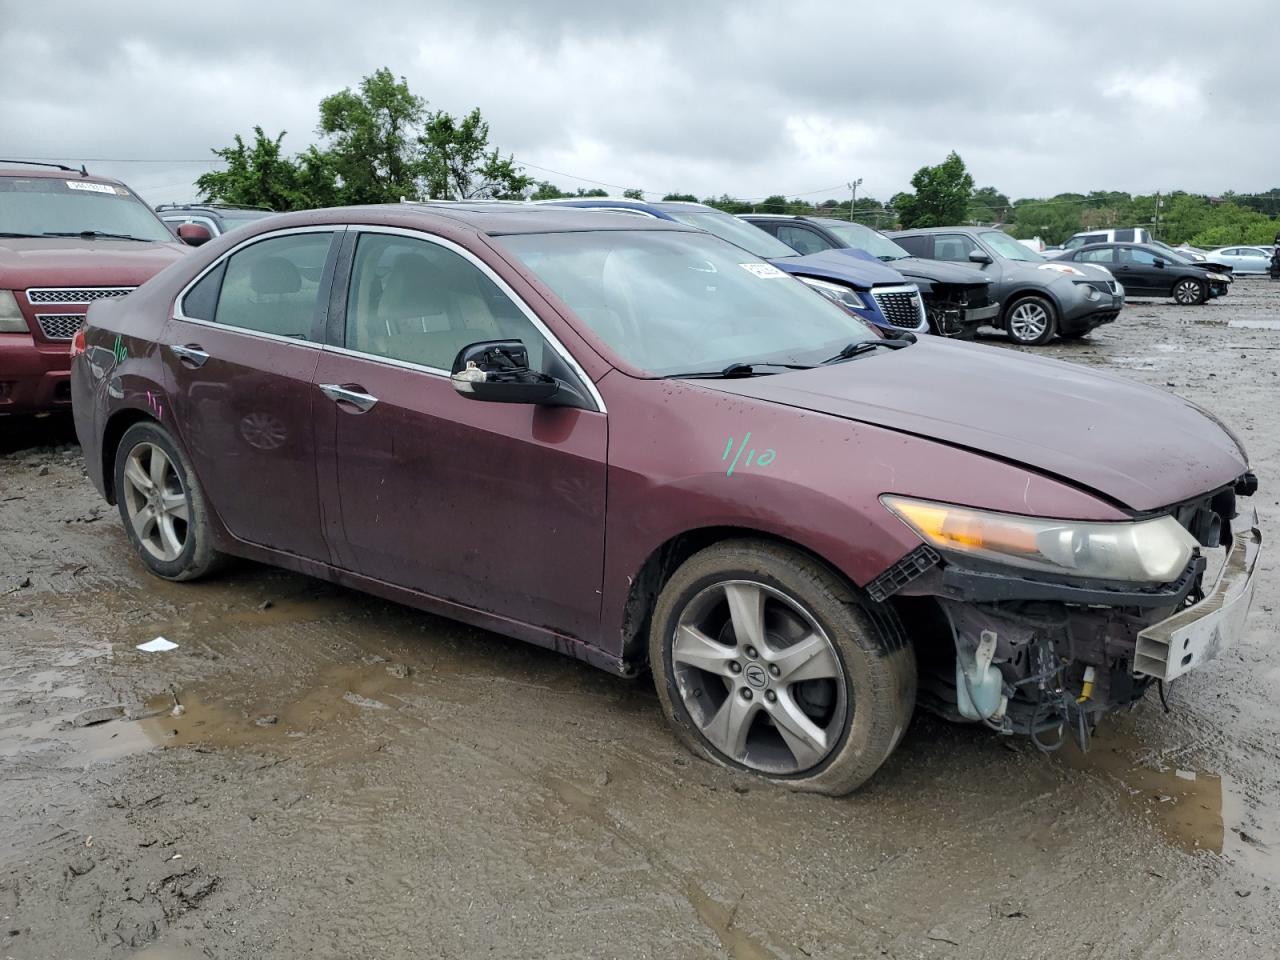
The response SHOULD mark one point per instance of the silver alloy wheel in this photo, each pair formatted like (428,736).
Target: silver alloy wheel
(759,677)
(1028,321)
(156,502)
(1187,292)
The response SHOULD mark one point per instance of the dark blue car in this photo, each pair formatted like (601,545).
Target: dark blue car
(858,281)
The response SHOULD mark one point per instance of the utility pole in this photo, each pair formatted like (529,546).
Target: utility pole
(1155,225)
(853,194)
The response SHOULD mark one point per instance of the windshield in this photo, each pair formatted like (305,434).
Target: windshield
(45,205)
(864,238)
(745,235)
(675,302)
(1009,248)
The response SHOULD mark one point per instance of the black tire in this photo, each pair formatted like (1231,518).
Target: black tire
(1031,321)
(875,661)
(1075,334)
(1189,292)
(196,556)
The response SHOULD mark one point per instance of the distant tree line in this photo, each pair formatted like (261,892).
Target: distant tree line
(380,144)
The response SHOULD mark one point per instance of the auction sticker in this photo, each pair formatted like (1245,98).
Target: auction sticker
(763,270)
(90,186)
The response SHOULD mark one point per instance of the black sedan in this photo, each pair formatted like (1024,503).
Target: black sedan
(1149,271)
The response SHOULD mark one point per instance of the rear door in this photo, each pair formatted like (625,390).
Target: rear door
(240,353)
(494,506)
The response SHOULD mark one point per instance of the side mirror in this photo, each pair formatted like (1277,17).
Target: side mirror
(498,371)
(978,256)
(194,234)
(1160,263)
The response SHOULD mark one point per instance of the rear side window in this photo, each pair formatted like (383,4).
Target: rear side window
(1104,255)
(1123,235)
(916,246)
(273,286)
(801,240)
(953,246)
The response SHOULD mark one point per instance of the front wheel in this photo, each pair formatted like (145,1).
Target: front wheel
(1190,292)
(162,505)
(1031,321)
(766,661)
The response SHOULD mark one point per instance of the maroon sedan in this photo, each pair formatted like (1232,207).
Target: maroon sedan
(638,444)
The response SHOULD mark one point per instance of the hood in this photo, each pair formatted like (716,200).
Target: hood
(72,262)
(849,266)
(1134,445)
(938,271)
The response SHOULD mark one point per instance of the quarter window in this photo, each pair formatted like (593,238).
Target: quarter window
(273,286)
(421,302)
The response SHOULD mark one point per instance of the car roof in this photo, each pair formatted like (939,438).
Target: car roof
(42,173)
(943,230)
(774,216)
(491,219)
(625,203)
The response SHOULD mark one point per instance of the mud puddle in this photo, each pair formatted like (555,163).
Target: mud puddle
(1198,810)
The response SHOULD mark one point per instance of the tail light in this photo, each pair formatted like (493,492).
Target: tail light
(77,343)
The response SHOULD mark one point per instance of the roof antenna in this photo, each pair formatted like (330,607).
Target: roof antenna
(83,172)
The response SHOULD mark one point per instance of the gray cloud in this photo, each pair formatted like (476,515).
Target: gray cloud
(748,97)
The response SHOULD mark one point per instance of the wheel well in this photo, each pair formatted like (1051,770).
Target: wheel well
(1013,298)
(662,563)
(115,430)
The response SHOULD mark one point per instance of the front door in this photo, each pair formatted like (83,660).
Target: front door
(495,506)
(240,353)
(1136,269)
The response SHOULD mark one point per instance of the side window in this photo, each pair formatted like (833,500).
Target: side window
(201,301)
(421,302)
(953,246)
(801,240)
(1125,235)
(916,246)
(273,286)
(1103,255)
(1136,255)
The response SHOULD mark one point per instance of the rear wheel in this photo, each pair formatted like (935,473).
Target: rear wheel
(1190,292)
(162,505)
(1031,321)
(766,661)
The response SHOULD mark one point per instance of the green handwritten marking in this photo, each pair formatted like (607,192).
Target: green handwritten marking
(121,354)
(765,458)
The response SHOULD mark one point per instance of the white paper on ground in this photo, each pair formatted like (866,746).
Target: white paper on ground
(158,645)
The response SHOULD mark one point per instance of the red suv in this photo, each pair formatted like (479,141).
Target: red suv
(67,239)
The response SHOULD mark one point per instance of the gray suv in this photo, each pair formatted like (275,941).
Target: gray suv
(1040,298)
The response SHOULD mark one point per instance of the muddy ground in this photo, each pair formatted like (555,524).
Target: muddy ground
(353,778)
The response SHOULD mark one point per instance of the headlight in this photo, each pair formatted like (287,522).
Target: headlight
(1147,551)
(11,319)
(1089,290)
(837,292)
(1063,268)
(1220,276)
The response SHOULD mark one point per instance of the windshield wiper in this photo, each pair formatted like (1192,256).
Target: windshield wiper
(737,370)
(859,347)
(9,233)
(96,235)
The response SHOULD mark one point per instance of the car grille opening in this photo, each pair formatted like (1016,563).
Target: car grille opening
(75,294)
(60,326)
(902,308)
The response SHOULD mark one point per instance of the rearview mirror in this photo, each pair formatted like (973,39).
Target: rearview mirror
(977,256)
(194,234)
(498,371)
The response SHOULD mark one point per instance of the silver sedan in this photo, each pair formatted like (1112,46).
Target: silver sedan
(1244,259)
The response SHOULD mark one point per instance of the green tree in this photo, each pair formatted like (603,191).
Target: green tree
(259,175)
(633,193)
(458,165)
(374,139)
(941,195)
(990,205)
(546,190)
(688,197)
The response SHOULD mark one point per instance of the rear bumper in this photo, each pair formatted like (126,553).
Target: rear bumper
(34,377)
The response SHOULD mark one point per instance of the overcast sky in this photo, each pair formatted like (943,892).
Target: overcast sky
(677,95)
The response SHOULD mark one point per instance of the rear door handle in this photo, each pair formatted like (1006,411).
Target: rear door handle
(353,395)
(191,355)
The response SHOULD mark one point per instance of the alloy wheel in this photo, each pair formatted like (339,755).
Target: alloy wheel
(759,677)
(1187,292)
(1028,321)
(156,502)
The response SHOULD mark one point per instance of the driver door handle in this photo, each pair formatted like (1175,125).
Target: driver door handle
(353,394)
(191,355)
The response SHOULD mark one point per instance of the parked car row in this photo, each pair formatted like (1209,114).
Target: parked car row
(641,444)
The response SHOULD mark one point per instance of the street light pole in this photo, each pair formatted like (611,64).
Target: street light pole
(853,192)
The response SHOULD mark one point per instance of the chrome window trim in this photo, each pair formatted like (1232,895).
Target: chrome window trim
(246,331)
(501,284)
(179,314)
(389,361)
(895,288)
